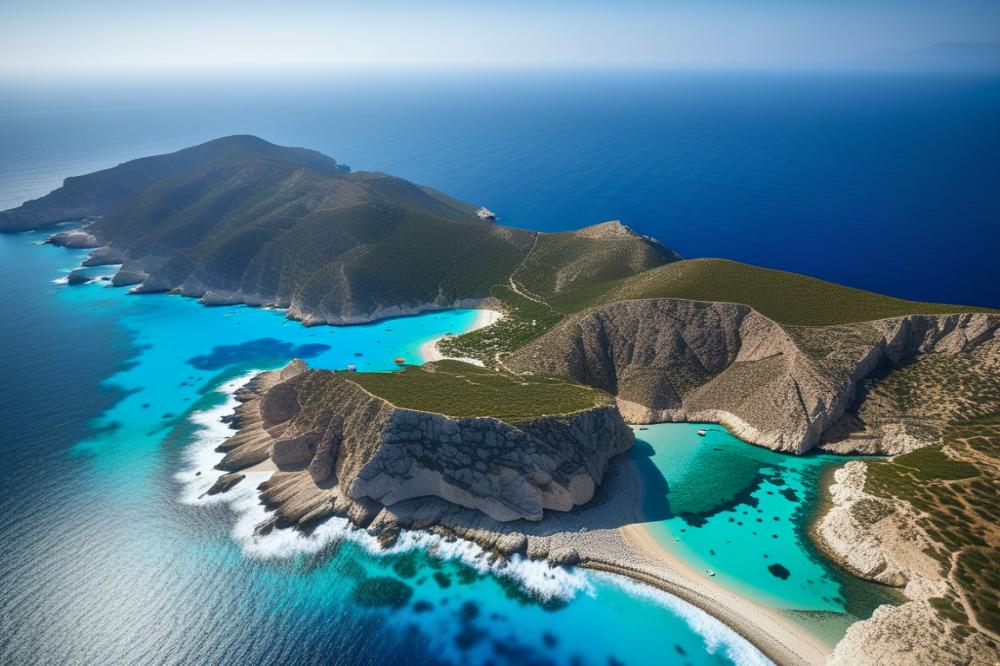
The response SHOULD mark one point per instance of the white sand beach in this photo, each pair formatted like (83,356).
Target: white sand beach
(484,317)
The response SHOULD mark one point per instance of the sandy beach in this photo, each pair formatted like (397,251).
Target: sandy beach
(777,636)
(484,317)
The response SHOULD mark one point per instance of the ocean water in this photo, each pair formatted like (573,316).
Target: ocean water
(880,181)
(743,513)
(110,554)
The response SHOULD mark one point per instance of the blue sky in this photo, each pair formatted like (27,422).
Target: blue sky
(49,36)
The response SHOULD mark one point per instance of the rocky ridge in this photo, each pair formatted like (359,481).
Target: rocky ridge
(776,386)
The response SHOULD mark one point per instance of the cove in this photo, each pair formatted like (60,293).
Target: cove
(104,561)
(743,513)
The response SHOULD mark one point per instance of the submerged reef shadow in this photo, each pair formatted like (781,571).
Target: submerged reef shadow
(222,356)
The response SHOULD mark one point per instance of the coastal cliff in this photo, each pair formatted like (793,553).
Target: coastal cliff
(341,450)
(779,386)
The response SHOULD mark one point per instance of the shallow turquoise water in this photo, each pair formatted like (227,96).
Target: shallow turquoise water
(743,512)
(109,555)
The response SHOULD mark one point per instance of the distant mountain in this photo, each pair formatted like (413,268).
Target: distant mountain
(240,220)
(943,55)
(98,193)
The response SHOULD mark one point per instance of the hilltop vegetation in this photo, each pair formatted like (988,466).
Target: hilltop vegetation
(788,298)
(462,390)
(953,485)
(98,193)
(242,220)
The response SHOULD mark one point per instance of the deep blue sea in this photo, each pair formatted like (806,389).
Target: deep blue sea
(110,403)
(881,181)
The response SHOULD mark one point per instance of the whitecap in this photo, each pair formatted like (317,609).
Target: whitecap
(718,637)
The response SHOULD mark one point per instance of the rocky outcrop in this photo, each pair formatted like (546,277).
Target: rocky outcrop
(78,277)
(876,538)
(361,452)
(910,635)
(880,539)
(74,238)
(776,386)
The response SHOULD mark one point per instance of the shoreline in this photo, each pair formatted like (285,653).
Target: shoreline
(484,317)
(606,535)
(778,637)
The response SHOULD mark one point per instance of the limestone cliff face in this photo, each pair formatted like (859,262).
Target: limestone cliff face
(780,387)
(370,452)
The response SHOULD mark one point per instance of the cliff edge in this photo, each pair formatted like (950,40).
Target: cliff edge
(354,452)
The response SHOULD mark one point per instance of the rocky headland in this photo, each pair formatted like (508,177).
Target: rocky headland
(341,450)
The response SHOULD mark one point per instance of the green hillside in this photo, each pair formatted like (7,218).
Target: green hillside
(98,193)
(788,298)
(462,390)
(243,220)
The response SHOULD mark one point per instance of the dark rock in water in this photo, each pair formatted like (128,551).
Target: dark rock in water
(406,565)
(78,277)
(790,494)
(469,636)
(382,592)
(779,571)
(225,482)
(469,611)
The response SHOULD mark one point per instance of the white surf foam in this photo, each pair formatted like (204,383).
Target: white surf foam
(718,637)
(201,456)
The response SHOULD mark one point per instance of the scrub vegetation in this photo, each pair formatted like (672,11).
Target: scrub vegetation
(462,390)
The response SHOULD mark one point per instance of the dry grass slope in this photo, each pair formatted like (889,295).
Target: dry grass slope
(462,390)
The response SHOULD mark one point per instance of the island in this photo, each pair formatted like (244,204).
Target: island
(601,327)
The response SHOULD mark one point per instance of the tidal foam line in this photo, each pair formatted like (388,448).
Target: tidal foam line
(718,637)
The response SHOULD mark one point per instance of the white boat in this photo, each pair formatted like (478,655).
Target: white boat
(701,432)
(709,572)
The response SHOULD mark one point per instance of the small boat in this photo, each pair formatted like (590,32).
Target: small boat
(709,572)
(400,360)
(701,432)
(351,367)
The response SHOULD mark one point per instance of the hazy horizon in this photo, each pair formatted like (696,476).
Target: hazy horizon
(115,38)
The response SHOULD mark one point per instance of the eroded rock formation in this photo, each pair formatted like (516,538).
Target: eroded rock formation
(343,451)
(777,386)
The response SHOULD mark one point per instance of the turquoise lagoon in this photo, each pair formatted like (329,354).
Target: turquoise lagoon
(110,555)
(743,513)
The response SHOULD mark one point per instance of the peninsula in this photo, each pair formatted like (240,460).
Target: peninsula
(601,327)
